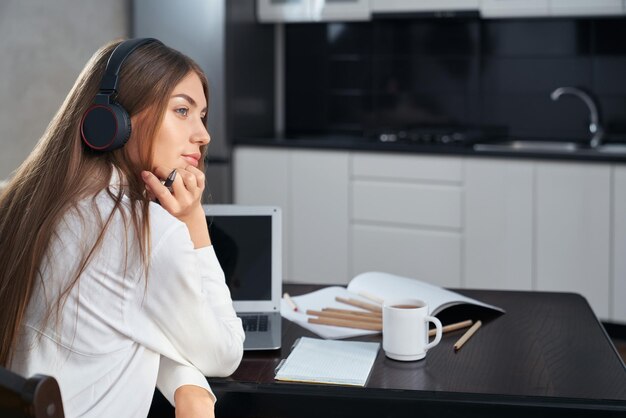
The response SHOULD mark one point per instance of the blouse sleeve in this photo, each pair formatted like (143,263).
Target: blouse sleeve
(173,375)
(184,311)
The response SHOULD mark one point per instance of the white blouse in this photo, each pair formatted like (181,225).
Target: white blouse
(119,335)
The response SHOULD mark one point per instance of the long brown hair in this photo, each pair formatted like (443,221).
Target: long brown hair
(61,171)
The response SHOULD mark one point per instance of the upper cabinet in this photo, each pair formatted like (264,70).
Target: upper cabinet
(513,8)
(408,6)
(272,11)
(586,7)
(285,11)
(529,8)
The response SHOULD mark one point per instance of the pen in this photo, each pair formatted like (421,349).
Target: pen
(170,180)
(290,301)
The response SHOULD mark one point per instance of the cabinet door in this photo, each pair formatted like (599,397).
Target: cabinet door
(504,8)
(430,255)
(618,313)
(261,176)
(319,202)
(498,224)
(283,10)
(406,216)
(585,7)
(399,6)
(572,241)
(343,10)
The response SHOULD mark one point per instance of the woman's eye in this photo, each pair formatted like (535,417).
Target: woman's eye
(183,111)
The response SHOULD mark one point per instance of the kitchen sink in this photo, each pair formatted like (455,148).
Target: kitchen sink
(528,146)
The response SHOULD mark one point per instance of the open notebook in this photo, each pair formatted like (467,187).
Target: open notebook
(327,361)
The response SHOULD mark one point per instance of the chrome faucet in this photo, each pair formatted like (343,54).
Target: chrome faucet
(597,133)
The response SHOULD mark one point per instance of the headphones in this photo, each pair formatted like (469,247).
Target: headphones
(105,126)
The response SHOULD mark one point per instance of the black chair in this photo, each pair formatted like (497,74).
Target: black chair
(36,397)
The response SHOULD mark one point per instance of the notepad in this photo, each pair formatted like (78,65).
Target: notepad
(332,362)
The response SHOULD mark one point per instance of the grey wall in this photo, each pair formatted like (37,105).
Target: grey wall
(44,45)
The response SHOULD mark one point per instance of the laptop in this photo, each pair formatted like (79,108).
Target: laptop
(248,244)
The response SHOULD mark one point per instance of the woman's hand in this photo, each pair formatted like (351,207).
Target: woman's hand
(184,201)
(194,402)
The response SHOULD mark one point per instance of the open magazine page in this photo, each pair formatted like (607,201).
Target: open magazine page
(390,286)
(323,298)
(381,285)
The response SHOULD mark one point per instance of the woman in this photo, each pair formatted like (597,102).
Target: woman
(108,280)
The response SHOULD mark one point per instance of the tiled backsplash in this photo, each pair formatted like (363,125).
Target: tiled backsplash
(356,77)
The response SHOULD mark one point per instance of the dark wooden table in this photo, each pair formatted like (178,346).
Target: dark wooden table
(547,356)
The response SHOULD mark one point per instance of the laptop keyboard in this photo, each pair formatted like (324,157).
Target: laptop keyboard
(254,323)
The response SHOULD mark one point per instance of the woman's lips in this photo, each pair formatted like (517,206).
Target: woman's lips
(192,159)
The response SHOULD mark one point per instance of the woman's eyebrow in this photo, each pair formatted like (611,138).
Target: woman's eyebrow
(191,101)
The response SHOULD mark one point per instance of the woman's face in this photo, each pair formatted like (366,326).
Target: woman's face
(182,132)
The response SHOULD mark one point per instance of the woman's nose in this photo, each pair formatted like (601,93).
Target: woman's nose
(202,136)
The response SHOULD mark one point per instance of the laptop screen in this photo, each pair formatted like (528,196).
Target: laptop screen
(243,245)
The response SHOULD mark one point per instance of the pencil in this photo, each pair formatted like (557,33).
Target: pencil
(346,323)
(359,313)
(359,304)
(467,335)
(290,301)
(341,315)
(451,327)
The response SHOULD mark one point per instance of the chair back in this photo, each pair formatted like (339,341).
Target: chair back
(36,397)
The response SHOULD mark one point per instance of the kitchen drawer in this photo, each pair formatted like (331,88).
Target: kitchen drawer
(423,205)
(432,256)
(408,167)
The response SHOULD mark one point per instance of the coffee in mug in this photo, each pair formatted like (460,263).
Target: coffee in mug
(405,329)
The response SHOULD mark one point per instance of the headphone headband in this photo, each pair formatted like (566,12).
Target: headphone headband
(117,58)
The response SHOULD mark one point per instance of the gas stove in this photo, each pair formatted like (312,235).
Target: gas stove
(460,136)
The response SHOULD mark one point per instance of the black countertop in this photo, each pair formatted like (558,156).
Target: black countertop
(356,143)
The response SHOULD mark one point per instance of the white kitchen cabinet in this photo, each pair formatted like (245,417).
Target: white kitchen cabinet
(514,8)
(572,230)
(311,187)
(272,11)
(585,7)
(262,177)
(453,221)
(341,10)
(407,6)
(430,255)
(283,10)
(319,211)
(498,219)
(417,168)
(406,216)
(529,8)
(618,288)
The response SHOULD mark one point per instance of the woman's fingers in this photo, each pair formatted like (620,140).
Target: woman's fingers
(184,193)
(154,187)
(199,175)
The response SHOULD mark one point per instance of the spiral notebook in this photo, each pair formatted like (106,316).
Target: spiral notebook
(314,360)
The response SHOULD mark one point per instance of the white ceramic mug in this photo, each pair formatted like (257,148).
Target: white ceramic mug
(405,329)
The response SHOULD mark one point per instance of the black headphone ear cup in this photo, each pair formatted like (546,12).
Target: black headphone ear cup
(124,127)
(105,127)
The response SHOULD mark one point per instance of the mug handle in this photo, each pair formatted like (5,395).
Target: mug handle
(437,323)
